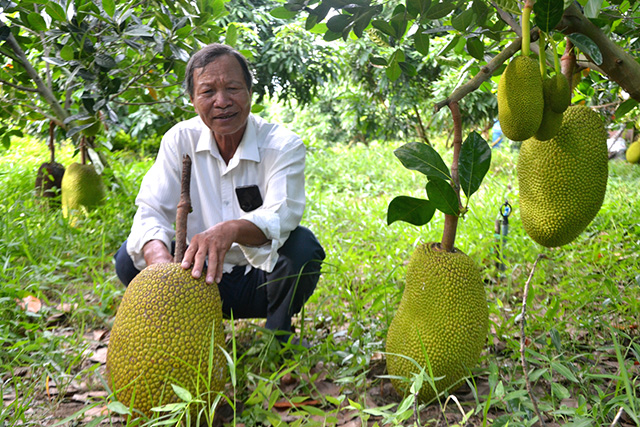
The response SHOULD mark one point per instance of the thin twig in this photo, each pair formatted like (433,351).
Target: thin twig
(523,360)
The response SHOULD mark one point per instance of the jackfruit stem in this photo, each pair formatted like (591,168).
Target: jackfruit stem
(542,55)
(526,27)
(184,207)
(83,150)
(52,147)
(451,221)
(556,61)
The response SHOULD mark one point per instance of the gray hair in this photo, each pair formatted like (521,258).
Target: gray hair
(207,55)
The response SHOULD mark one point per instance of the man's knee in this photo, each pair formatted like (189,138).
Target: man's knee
(303,251)
(125,269)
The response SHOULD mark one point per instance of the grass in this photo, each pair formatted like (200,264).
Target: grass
(583,345)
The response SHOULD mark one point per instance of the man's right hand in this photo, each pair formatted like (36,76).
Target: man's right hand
(155,252)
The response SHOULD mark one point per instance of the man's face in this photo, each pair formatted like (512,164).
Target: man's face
(221,98)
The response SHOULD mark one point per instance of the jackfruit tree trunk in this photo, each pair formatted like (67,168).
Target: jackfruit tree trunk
(184,207)
(620,66)
(451,221)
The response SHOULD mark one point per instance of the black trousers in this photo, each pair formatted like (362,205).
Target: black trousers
(255,293)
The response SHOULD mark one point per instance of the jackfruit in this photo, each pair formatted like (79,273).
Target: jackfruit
(442,320)
(168,330)
(551,120)
(557,93)
(520,98)
(633,152)
(562,182)
(82,189)
(49,182)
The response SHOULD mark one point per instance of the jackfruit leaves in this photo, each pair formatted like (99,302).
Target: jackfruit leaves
(443,196)
(548,14)
(625,107)
(587,46)
(424,159)
(410,209)
(474,163)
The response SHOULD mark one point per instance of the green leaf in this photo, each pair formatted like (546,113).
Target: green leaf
(408,69)
(338,23)
(625,107)
(363,20)
(109,7)
(548,14)
(36,21)
(592,9)
(424,159)
(4,32)
(231,36)
(564,371)
(118,408)
(399,21)
(378,60)
(475,47)
(440,10)
(383,26)
(462,21)
(443,196)
(66,53)
(474,162)
(105,61)
(588,46)
(410,209)
(182,393)
(421,42)
(393,71)
(282,13)
(55,11)
(418,7)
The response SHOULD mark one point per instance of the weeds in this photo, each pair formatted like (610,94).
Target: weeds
(582,345)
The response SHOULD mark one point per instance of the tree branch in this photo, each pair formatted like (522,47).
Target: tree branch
(44,91)
(618,65)
(483,75)
(22,88)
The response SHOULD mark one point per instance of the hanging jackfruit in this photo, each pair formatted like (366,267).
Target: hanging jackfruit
(520,98)
(633,152)
(441,322)
(82,189)
(562,182)
(557,93)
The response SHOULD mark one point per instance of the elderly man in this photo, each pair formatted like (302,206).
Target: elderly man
(247,195)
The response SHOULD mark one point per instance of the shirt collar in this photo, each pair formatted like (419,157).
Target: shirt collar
(247,150)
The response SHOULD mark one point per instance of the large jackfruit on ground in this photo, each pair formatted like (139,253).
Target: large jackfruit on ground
(562,182)
(162,335)
(520,98)
(443,310)
(82,189)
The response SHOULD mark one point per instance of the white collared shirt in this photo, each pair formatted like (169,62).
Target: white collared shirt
(269,156)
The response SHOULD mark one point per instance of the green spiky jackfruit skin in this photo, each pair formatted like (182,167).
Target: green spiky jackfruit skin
(562,182)
(162,335)
(444,308)
(82,189)
(633,152)
(520,99)
(551,120)
(557,93)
